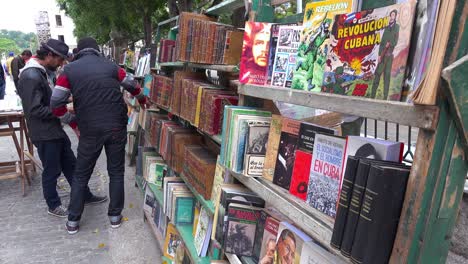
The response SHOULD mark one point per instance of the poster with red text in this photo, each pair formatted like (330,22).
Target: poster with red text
(325,173)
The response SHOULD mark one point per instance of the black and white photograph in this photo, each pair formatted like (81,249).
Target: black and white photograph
(281,62)
(285,37)
(258,138)
(279,78)
(322,194)
(240,238)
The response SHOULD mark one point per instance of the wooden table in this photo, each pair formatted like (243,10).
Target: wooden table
(17,169)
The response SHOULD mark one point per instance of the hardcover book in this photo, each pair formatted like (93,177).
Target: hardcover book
(286,153)
(255,148)
(179,141)
(272,49)
(172,241)
(285,56)
(304,153)
(184,208)
(254,60)
(315,42)
(380,214)
(325,173)
(241,225)
(203,234)
(369,52)
(272,147)
(199,168)
(289,243)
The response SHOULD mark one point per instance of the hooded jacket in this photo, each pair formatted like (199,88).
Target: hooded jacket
(35,90)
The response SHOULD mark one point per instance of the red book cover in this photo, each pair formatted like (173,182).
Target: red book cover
(300,176)
(254,60)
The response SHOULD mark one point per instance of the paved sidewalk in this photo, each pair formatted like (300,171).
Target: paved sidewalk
(29,235)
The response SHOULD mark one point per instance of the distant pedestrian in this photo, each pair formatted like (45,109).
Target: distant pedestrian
(45,129)
(2,83)
(94,82)
(18,63)
(11,56)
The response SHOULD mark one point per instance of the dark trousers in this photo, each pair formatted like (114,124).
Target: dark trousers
(2,89)
(56,157)
(89,149)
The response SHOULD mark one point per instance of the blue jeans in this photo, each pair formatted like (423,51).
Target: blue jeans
(56,157)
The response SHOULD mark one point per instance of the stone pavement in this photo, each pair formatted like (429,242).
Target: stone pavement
(29,235)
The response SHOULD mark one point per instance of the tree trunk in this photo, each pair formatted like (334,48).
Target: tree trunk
(148,29)
(173,9)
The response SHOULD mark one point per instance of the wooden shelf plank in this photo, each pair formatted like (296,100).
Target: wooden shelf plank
(205,203)
(172,64)
(159,237)
(158,194)
(185,232)
(162,23)
(215,67)
(227,6)
(396,112)
(313,222)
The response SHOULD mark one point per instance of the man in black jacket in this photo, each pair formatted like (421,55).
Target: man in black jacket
(102,120)
(45,129)
(18,63)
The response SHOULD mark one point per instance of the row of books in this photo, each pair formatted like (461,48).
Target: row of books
(337,49)
(166,50)
(369,209)
(192,98)
(201,40)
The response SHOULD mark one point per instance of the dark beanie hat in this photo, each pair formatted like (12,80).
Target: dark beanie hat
(86,43)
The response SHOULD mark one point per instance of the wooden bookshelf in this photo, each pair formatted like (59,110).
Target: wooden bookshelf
(185,232)
(215,67)
(224,7)
(172,64)
(159,237)
(396,112)
(205,203)
(310,220)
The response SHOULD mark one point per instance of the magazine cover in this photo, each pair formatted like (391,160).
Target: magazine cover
(241,226)
(254,60)
(285,57)
(325,173)
(273,43)
(369,52)
(313,49)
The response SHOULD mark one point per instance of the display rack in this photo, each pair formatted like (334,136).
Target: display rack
(436,181)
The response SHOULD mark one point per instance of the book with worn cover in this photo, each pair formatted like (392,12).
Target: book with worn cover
(241,226)
(286,152)
(177,88)
(272,147)
(254,60)
(355,204)
(304,152)
(179,141)
(268,242)
(196,214)
(184,208)
(369,52)
(203,234)
(286,55)
(218,180)
(325,173)
(289,243)
(315,42)
(380,214)
(173,240)
(255,148)
(233,47)
(272,49)
(344,201)
(199,169)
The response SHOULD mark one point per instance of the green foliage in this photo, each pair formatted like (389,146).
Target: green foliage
(97,18)
(21,40)
(7,45)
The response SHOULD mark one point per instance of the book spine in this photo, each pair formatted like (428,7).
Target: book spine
(359,189)
(379,216)
(344,202)
(272,149)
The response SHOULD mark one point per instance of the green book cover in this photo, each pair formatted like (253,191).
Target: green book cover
(160,170)
(184,210)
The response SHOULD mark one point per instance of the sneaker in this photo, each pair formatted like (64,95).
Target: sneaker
(115,221)
(72,227)
(60,211)
(96,199)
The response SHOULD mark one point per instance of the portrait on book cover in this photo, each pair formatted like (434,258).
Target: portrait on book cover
(286,246)
(254,60)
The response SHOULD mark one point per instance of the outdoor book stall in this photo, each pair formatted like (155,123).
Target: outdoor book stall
(257,147)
